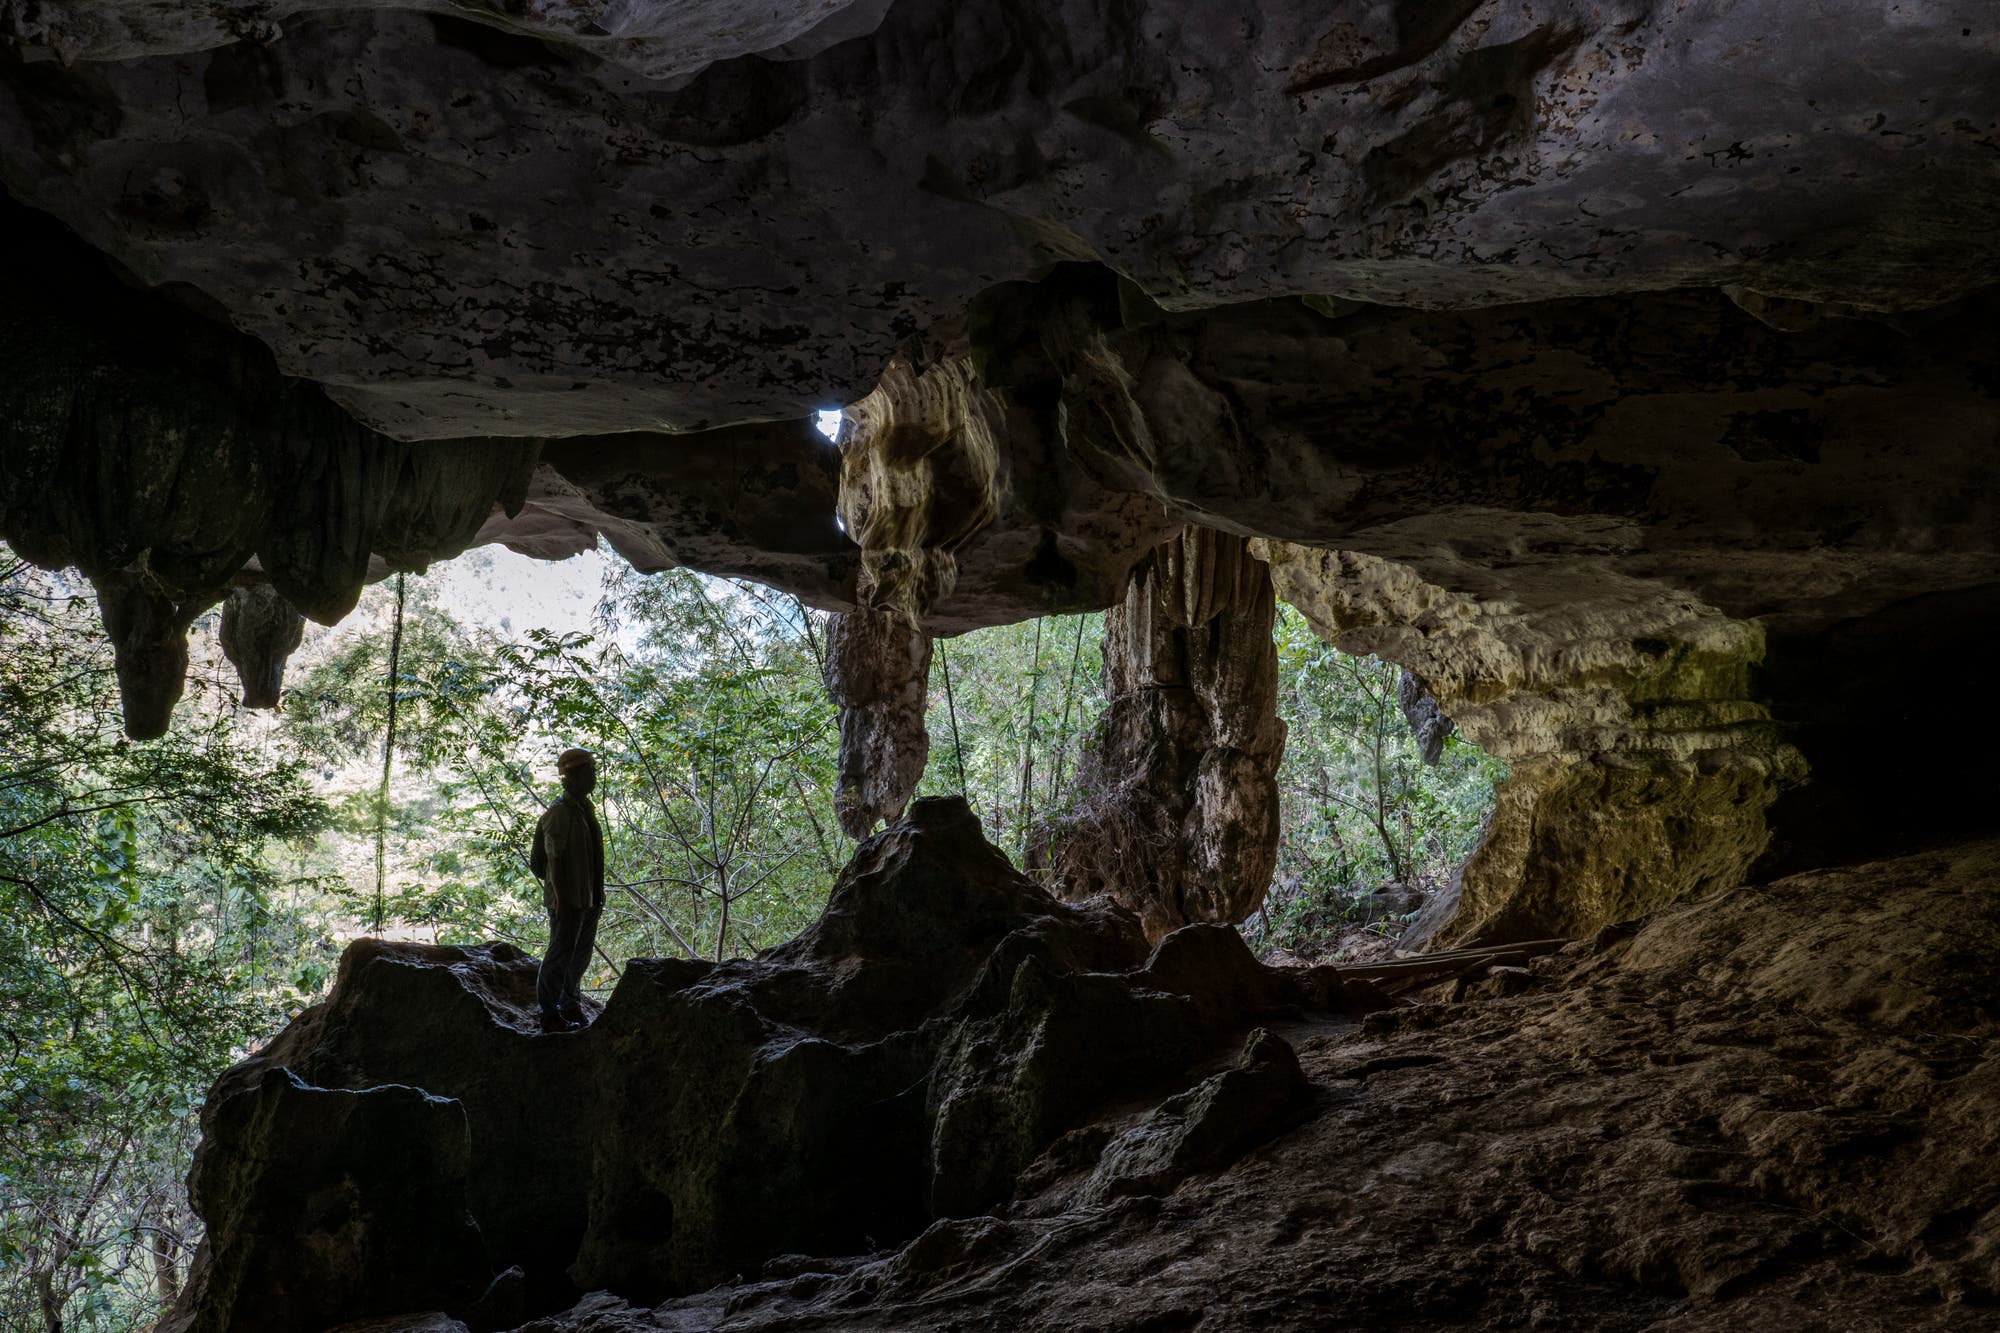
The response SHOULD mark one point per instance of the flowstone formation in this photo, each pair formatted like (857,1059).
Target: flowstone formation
(411,1143)
(878,674)
(1640,764)
(1177,813)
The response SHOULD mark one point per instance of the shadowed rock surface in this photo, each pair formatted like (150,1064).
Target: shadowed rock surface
(1625,370)
(878,675)
(902,1060)
(552,219)
(1768,1111)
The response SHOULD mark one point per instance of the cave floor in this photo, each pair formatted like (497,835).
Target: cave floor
(1778,1108)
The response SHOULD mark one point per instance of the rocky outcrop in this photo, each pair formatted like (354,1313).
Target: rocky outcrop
(902,1060)
(1177,813)
(359,1200)
(1770,1110)
(1640,762)
(878,675)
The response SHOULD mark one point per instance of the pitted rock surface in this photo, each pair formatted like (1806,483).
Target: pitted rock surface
(546,219)
(878,674)
(1655,340)
(1177,814)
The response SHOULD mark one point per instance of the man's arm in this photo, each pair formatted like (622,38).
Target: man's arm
(538,852)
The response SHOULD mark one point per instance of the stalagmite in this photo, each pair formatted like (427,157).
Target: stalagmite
(1179,813)
(148,633)
(260,630)
(877,671)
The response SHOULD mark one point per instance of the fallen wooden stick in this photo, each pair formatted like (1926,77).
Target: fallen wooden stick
(1448,963)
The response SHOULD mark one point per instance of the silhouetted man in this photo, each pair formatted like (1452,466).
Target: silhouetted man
(568,857)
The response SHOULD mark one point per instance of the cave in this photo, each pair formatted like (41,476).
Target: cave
(1615,371)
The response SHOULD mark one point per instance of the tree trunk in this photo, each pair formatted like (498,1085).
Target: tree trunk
(166,1274)
(51,1304)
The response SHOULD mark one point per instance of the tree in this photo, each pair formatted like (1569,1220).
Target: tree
(146,934)
(703,702)
(1358,806)
(1024,700)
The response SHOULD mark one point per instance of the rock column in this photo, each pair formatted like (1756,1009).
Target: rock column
(1178,799)
(878,673)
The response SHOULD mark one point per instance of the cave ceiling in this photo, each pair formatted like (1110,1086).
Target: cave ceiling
(582,217)
(1606,318)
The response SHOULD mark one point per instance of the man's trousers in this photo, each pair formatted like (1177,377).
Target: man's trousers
(572,934)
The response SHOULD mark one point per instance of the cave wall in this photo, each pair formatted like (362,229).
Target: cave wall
(1641,762)
(572,219)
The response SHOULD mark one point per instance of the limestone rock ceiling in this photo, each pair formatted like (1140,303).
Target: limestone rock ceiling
(585,217)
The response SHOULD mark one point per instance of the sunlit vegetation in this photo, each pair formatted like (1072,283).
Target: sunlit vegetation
(168,904)
(152,923)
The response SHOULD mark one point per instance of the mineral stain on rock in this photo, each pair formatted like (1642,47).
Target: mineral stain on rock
(1769,1109)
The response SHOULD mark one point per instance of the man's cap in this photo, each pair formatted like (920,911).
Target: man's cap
(569,759)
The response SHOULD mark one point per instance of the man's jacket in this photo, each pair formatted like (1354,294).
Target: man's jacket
(568,855)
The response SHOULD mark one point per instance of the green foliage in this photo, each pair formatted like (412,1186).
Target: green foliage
(1358,807)
(167,903)
(147,933)
(1023,704)
(715,745)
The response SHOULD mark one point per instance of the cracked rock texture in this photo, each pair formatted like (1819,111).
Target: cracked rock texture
(1177,818)
(902,1060)
(1658,338)
(1769,1111)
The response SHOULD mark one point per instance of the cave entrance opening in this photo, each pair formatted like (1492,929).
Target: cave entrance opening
(1010,731)
(1373,821)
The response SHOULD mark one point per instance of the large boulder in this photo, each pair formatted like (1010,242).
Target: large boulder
(902,1060)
